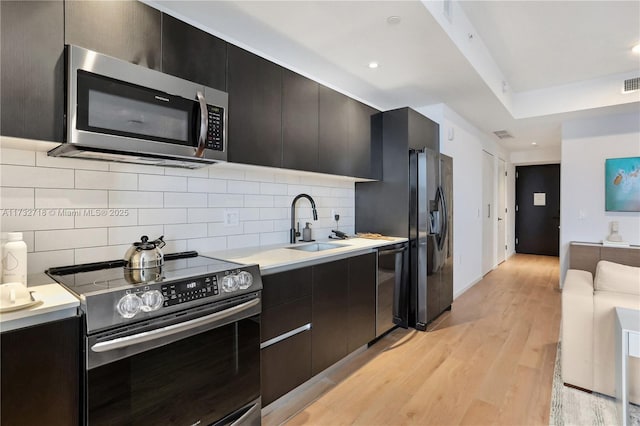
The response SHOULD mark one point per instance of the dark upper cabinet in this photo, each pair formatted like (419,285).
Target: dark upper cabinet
(32,69)
(422,132)
(364,153)
(192,54)
(361,318)
(299,122)
(40,374)
(255,109)
(329,314)
(128,30)
(333,139)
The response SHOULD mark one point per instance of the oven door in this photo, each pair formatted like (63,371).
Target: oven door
(198,367)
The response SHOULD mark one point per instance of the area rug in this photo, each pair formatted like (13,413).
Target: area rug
(574,407)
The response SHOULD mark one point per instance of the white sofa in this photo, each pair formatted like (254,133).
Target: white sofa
(588,326)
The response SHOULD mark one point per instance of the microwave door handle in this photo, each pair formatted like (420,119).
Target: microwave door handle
(204,125)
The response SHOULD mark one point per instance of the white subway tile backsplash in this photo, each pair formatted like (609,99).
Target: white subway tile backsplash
(185,231)
(135,199)
(131,234)
(257,226)
(162,183)
(273,188)
(16,198)
(226,200)
(242,241)
(78,211)
(218,229)
(205,215)
(207,185)
(70,198)
(70,238)
(258,201)
(270,238)
(241,187)
(35,177)
(43,160)
(38,262)
(17,157)
(94,218)
(161,216)
(98,254)
(204,245)
(181,199)
(105,180)
(35,219)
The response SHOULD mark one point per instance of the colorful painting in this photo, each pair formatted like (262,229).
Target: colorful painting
(622,184)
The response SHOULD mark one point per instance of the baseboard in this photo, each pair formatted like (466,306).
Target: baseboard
(471,284)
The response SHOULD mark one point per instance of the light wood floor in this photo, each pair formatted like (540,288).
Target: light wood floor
(487,362)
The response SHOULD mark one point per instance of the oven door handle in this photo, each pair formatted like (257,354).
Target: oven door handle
(169,330)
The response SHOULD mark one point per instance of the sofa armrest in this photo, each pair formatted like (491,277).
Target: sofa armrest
(577,329)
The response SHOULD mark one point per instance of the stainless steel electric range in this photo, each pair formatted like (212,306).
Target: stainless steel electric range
(173,345)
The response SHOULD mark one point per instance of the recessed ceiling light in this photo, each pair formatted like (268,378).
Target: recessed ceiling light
(393,20)
(534,143)
(636,49)
(373,65)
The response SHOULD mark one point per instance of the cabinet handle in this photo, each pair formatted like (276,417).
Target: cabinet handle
(286,335)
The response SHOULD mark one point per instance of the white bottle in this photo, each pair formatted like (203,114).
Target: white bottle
(14,259)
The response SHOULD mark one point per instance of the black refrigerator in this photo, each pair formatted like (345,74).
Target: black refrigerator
(414,200)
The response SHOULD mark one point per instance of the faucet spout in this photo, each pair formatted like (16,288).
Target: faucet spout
(293,234)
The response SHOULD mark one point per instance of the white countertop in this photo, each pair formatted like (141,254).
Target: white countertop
(279,258)
(57,303)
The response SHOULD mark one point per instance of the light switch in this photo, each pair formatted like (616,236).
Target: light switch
(231,217)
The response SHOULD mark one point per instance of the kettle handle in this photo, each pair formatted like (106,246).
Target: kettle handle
(160,242)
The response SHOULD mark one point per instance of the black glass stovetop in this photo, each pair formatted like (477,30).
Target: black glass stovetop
(106,276)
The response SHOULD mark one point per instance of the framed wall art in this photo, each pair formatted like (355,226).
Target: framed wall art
(622,184)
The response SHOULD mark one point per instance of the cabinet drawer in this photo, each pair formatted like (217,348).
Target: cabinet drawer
(285,365)
(285,287)
(284,318)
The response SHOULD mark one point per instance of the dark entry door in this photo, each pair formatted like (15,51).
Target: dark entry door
(538,209)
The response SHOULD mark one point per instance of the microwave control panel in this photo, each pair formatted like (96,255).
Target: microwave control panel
(215,130)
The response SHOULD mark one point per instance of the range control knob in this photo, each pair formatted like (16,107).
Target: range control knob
(230,283)
(245,279)
(151,300)
(129,305)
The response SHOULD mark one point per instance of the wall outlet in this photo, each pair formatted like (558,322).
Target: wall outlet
(334,212)
(231,217)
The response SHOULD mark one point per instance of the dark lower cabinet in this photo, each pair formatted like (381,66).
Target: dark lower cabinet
(329,314)
(40,374)
(192,54)
(129,30)
(361,312)
(32,69)
(255,109)
(285,365)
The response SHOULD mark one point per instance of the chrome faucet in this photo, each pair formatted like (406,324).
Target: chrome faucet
(293,233)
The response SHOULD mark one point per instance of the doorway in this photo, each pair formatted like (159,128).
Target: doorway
(488,212)
(538,209)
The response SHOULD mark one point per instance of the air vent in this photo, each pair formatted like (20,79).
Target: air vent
(632,84)
(503,134)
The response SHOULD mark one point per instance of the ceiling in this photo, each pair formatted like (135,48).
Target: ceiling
(521,66)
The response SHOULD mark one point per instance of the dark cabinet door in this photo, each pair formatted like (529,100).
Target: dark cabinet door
(361,318)
(285,365)
(255,109)
(329,314)
(32,69)
(299,122)
(192,54)
(333,132)
(40,379)
(128,30)
(361,154)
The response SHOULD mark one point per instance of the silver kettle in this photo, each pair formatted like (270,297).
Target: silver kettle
(145,254)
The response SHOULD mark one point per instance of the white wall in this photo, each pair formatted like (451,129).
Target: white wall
(536,156)
(465,143)
(586,144)
(66,207)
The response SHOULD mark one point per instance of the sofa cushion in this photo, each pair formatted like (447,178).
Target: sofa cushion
(612,276)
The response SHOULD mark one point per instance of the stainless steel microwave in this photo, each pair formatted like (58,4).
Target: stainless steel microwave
(118,111)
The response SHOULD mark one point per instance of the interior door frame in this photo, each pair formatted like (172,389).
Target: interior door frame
(487,212)
(501,214)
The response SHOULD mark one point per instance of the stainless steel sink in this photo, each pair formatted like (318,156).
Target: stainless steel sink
(316,247)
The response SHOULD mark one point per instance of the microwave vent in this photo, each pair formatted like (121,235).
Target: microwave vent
(632,84)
